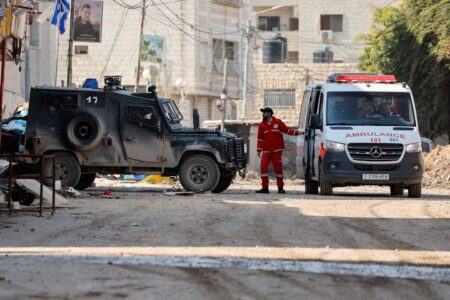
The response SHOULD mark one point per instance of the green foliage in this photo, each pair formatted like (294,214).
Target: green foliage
(412,41)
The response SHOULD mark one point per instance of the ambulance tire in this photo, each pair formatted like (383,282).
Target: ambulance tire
(415,191)
(86,180)
(397,190)
(311,186)
(326,188)
(224,183)
(199,173)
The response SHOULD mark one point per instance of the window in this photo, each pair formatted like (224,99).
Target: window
(81,49)
(279,98)
(293,57)
(331,22)
(223,49)
(269,23)
(142,115)
(304,109)
(35,34)
(293,24)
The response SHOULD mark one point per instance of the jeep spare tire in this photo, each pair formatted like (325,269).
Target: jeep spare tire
(199,173)
(67,169)
(84,131)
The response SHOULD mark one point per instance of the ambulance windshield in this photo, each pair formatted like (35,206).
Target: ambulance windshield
(370,109)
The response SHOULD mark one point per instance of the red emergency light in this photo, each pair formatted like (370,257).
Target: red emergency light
(365,78)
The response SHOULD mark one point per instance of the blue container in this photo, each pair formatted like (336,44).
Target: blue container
(90,83)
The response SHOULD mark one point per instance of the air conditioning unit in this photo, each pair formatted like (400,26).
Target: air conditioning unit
(326,35)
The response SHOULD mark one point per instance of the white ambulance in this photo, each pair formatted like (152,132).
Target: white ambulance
(360,129)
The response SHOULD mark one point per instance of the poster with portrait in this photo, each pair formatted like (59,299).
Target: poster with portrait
(87,23)
(152,49)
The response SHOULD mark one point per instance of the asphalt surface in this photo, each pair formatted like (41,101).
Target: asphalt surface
(360,243)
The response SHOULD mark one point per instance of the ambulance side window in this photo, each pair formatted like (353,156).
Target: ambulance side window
(319,109)
(304,109)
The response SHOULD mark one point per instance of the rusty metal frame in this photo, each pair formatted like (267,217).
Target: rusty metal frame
(41,177)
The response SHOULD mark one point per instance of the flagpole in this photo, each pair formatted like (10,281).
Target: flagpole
(70,54)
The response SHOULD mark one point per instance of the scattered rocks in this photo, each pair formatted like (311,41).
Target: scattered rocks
(437,167)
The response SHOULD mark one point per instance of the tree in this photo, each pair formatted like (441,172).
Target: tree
(412,41)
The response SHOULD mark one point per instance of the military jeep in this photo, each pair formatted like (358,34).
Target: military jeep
(114,131)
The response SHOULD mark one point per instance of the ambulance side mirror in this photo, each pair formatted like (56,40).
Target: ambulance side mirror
(315,122)
(424,123)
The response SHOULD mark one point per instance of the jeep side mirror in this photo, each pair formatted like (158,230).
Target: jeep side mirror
(424,123)
(196,119)
(315,122)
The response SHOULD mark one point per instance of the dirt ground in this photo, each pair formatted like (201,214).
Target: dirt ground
(49,257)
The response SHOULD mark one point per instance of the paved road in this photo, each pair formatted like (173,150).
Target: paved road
(360,243)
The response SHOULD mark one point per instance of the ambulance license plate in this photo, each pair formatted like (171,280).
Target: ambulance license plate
(375,176)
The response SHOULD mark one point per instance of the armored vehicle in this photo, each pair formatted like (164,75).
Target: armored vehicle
(114,131)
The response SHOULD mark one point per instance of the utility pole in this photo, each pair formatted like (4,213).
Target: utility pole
(244,92)
(138,75)
(70,54)
(224,96)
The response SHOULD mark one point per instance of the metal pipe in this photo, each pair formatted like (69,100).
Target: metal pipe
(2,83)
(70,51)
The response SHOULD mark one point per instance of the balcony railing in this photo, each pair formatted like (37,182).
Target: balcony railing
(233,66)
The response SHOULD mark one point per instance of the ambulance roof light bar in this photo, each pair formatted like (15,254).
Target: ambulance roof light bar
(361,78)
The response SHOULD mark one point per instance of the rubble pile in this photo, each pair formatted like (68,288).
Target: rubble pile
(437,167)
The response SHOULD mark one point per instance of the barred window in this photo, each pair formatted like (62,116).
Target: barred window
(279,98)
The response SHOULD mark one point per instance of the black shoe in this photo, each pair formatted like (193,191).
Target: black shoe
(262,191)
(281,191)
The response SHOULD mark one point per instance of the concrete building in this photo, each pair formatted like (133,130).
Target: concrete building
(198,34)
(31,54)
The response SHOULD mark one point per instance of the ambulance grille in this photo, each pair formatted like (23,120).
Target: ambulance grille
(375,152)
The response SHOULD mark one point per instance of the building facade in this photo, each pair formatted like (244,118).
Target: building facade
(198,35)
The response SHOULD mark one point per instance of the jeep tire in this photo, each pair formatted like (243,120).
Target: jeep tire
(199,173)
(84,131)
(67,169)
(86,180)
(224,183)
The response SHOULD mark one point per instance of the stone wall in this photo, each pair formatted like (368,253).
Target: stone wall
(284,77)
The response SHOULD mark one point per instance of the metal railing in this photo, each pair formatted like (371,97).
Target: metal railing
(11,158)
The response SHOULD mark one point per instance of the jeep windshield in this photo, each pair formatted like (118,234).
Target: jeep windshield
(370,109)
(171,112)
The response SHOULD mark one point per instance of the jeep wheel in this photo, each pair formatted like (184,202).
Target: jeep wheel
(311,186)
(325,187)
(83,131)
(86,180)
(199,173)
(415,191)
(396,190)
(224,183)
(67,169)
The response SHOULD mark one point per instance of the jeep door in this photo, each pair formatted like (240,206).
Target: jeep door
(140,128)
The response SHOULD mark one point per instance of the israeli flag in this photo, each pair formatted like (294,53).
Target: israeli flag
(60,15)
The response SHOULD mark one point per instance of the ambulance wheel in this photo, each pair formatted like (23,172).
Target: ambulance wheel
(311,186)
(326,188)
(67,169)
(86,180)
(415,191)
(199,173)
(224,183)
(396,190)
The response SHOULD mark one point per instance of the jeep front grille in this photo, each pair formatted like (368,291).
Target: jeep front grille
(375,152)
(236,151)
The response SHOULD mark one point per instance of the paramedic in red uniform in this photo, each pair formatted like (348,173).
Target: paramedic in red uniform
(271,146)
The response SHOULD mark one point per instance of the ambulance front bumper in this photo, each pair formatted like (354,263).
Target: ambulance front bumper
(339,170)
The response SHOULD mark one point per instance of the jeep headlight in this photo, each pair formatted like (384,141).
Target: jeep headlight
(414,147)
(334,146)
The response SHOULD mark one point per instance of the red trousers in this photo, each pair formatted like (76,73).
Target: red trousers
(277,164)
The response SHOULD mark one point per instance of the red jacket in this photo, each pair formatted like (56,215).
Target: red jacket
(270,135)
